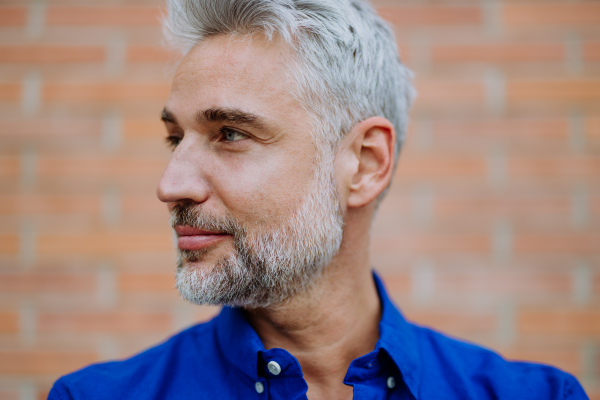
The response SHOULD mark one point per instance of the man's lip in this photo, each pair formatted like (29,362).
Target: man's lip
(184,230)
(191,238)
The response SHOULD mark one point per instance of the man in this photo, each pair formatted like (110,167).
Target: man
(286,118)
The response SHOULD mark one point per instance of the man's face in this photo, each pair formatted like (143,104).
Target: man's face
(252,198)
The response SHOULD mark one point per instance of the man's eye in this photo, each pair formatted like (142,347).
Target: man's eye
(231,135)
(173,141)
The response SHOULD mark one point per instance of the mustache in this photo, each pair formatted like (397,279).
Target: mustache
(189,213)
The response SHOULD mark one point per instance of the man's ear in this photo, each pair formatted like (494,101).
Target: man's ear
(372,143)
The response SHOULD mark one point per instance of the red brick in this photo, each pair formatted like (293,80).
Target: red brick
(13,16)
(105,92)
(10,91)
(36,54)
(8,394)
(557,244)
(100,167)
(9,166)
(432,244)
(113,16)
(443,92)
(109,322)
(431,15)
(9,321)
(563,322)
(510,128)
(205,313)
(498,52)
(592,128)
(551,14)
(564,167)
(46,282)
(504,282)
(144,128)
(150,54)
(454,323)
(428,167)
(556,91)
(42,394)
(593,393)
(396,204)
(404,51)
(595,205)
(396,282)
(129,282)
(591,51)
(38,204)
(43,362)
(9,244)
(102,244)
(50,127)
(142,204)
(511,206)
(466,137)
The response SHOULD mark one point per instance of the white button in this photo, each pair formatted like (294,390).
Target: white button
(259,387)
(391,382)
(274,368)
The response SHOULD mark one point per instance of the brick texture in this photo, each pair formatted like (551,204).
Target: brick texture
(113,16)
(112,322)
(12,16)
(440,15)
(498,53)
(552,14)
(42,362)
(33,54)
(490,232)
(104,92)
(9,322)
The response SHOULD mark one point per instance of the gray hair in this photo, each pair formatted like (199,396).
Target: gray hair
(347,67)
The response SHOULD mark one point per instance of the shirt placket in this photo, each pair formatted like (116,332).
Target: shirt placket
(374,378)
(281,376)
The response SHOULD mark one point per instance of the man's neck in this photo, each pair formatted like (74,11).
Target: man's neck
(326,328)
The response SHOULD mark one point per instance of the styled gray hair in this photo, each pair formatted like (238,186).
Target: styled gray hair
(347,67)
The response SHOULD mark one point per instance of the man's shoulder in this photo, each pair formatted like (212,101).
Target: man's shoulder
(141,373)
(467,370)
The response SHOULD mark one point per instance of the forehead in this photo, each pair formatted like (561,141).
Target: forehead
(249,73)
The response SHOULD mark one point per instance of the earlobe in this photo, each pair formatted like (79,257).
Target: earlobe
(374,143)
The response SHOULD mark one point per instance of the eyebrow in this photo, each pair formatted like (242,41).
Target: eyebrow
(166,116)
(230,115)
(220,114)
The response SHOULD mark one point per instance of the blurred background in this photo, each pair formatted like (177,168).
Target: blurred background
(491,231)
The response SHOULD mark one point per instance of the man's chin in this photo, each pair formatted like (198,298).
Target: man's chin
(221,283)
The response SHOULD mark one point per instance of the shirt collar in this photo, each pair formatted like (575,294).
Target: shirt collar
(238,341)
(241,345)
(397,338)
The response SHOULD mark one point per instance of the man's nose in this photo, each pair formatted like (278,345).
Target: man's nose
(182,179)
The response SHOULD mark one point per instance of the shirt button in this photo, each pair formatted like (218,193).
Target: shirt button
(259,387)
(391,382)
(274,367)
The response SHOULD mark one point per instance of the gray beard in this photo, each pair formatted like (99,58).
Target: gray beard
(271,264)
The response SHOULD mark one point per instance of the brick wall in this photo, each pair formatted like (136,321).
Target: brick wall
(491,231)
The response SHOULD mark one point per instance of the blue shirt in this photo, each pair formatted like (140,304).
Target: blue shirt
(225,359)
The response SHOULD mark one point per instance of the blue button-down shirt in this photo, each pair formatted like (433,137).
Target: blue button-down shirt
(225,359)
